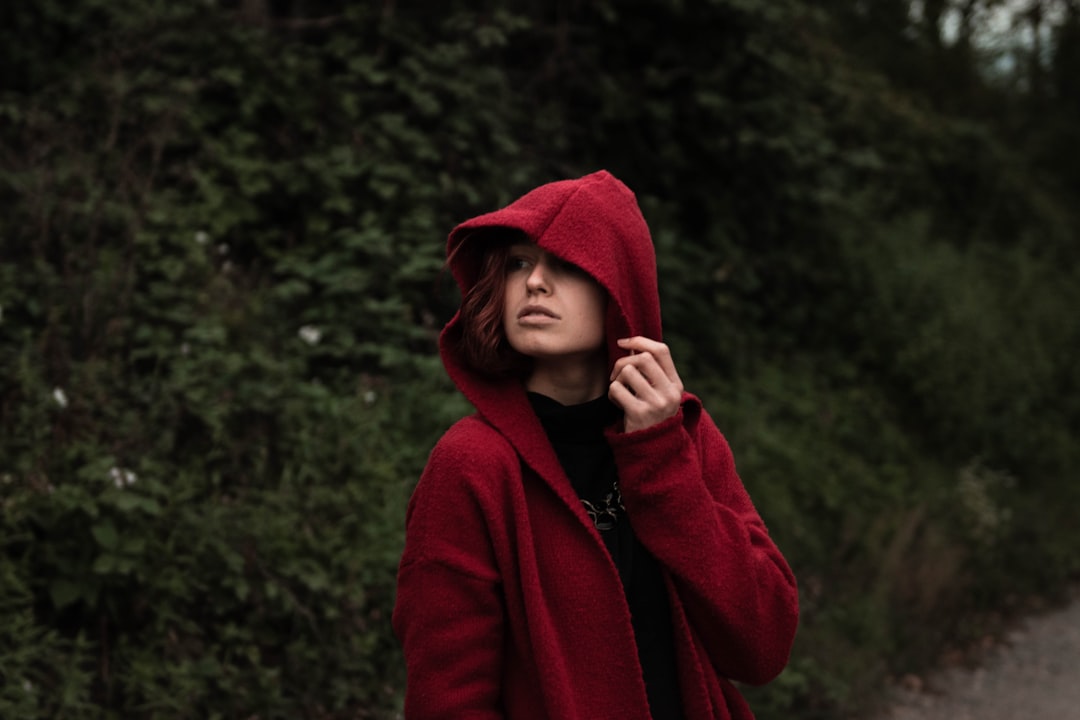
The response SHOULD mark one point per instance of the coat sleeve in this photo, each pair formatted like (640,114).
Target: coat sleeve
(449,612)
(690,509)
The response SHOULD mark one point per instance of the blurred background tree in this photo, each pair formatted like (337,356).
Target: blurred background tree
(221,284)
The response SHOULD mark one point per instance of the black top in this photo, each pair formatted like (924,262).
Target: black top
(577,434)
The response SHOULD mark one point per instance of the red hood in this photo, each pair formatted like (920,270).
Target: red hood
(593,222)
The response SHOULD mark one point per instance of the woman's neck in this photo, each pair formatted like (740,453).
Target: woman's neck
(569,382)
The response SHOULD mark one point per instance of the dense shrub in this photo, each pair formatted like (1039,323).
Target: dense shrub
(217,341)
(221,284)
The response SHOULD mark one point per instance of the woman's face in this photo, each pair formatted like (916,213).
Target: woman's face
(552,309)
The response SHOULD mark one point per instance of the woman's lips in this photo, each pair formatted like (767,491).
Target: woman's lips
(536,315)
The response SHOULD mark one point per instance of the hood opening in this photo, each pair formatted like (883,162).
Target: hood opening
(593,222)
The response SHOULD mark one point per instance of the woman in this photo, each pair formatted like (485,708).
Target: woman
(581,546)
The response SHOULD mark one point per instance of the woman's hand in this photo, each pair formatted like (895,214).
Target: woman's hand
(645,384)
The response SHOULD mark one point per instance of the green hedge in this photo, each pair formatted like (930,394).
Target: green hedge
(221,284)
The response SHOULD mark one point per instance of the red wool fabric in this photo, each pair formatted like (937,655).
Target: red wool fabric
(508,603)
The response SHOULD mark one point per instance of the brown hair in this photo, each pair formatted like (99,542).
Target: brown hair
(484,346)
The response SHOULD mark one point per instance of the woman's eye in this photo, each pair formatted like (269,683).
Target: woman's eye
(517,263)
(566,267)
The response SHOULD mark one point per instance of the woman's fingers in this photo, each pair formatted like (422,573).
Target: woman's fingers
(659,350)
(645,384)
(647,354)
(643,365)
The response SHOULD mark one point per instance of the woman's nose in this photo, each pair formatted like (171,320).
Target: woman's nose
(537,279)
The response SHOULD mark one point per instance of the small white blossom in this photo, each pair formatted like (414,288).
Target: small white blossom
(223,248)
(185,349)
(369,397)
(60,397)
(202,237)
(27,686)
(122,477)
(310,334)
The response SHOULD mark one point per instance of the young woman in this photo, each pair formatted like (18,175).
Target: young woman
(581,546)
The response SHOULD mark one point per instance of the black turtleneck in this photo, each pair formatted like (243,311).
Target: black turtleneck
(576,433)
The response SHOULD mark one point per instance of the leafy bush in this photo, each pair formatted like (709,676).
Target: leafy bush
(222,282)
(216,309)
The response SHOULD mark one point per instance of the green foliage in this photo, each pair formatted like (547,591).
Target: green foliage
(215,304)
(221,283)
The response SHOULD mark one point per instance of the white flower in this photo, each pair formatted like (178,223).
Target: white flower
(60,397)
(27,686)
(369,397)
(310,334)
(185,349)
(223,249)
(202,237)
(122,477)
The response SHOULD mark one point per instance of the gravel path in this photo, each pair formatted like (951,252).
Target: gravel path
(1034,673)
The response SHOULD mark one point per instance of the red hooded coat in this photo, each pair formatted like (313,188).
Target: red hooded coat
(508,603)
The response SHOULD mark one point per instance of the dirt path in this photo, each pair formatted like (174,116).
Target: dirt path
(1034,673)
